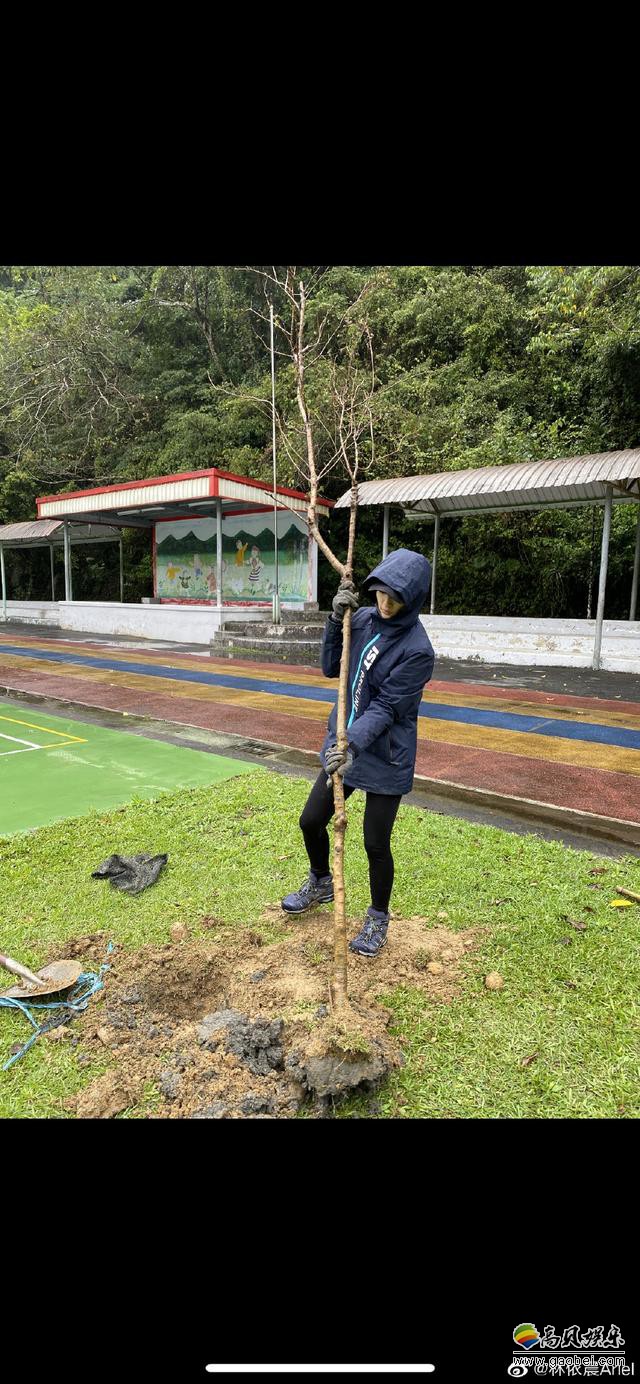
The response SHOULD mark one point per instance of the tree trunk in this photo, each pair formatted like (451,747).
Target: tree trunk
(349,433)
(338,982)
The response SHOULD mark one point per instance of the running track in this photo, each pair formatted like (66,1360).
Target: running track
(571,751)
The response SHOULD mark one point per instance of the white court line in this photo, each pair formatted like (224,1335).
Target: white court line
(320,1369)
(6,754)
(17,741)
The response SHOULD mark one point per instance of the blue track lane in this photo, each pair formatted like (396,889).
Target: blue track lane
(474,716)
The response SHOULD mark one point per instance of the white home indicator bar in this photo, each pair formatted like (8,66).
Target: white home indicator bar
(320,1369)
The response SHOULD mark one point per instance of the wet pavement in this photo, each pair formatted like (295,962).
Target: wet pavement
(559,746)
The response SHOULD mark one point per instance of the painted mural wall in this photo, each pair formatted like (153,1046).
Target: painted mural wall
(186,558)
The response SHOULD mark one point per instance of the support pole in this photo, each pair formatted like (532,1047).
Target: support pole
(219,552)
(53,574)
(4,583)
(636,572)
(276,594)
(68,594)
(436,535)
(385,530)
(602,586)
(121,574)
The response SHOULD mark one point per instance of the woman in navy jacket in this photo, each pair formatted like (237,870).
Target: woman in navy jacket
(391,660)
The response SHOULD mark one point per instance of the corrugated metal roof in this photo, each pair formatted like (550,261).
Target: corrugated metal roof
(150,493)
(52,531)
(521,485)
(36,528)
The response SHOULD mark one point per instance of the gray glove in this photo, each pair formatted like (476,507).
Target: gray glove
(337,762)
(344,598)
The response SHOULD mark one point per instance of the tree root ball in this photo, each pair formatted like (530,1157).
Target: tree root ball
(350,1050)
(494,981)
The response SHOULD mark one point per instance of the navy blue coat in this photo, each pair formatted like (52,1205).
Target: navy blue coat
(390,662)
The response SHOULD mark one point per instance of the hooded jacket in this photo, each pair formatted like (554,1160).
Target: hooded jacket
(390,661)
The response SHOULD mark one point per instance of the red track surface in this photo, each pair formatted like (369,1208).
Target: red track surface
(611,794)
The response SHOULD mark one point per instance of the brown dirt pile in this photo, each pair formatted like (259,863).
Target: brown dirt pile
(238,1026)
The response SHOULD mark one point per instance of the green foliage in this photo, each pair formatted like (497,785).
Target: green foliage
(112,372)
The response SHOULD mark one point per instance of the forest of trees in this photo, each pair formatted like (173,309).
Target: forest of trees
(115,372)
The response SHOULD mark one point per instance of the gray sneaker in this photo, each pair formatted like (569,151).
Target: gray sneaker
(316,889)
(373,934)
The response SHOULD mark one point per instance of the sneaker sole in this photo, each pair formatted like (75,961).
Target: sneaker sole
(297,911)
(369,956)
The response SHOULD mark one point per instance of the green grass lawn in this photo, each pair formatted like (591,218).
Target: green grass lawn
(236,847)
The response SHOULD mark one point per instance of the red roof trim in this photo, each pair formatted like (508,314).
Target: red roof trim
(264,485)
(228,514)
(123,485)
(214,489)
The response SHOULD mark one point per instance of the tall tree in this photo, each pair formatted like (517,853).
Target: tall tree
(347,381)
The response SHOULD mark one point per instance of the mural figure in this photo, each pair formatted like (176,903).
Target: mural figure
(255,567)
(241,549)
(212,579)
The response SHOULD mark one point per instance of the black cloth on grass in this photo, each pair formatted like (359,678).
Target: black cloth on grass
(131,873)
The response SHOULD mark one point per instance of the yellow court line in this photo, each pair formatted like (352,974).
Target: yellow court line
(14,720)
(75,740)
(31,748)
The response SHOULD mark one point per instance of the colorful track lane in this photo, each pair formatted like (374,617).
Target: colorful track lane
(576,752)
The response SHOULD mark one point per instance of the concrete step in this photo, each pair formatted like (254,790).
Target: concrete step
(295,617)
(266,650)
(289,618)
(249,629)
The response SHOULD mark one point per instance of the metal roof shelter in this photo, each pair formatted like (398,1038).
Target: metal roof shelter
(139,504)
(602,477)
(45,533)
(205,494)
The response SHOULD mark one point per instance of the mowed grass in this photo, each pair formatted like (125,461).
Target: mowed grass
(559,1041)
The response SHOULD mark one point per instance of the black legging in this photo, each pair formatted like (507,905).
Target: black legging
(379,817)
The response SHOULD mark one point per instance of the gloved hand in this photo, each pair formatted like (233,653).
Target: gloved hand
(344,597)
(337,762)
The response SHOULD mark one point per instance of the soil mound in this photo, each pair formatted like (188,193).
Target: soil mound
(239,1027)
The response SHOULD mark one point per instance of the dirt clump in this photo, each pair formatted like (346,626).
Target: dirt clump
(106,1097)
(92,947)
(256,1043)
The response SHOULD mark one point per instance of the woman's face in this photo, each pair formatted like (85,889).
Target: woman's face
(387,607)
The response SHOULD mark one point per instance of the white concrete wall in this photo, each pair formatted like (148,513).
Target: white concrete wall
(564,643)
(188,624)
(33,612)
(489,639)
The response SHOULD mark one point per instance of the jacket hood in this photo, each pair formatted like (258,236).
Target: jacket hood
(409,574)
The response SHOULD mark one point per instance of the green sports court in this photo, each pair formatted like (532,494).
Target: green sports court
(52,768)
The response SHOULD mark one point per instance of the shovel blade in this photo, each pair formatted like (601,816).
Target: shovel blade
(60,975)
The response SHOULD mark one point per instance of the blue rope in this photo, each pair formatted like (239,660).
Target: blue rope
(86,985)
